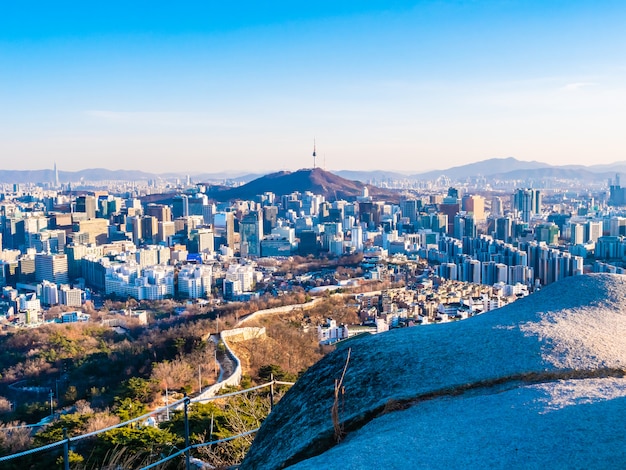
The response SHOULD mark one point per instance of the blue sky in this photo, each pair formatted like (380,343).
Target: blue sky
(395,85)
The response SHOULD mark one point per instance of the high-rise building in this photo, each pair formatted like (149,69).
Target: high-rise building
(308,243)
(527,203)
(57,184)
(251,231)
(194,281)
(504,227)
(593,230)
(51,267)
(270,217)
(197,203)
(49,293)
(149,229)
(464,226)
(476,205)
(224,228)
(161,212)
(356,237)
(165,231)
(87,205)
(71,297)
(148,256)
(577,234)
(26,269)
(617,226)
(497,207)
(180,206)
(134,225)
(410,208)
(13,235)
(201,240)
(548,233)
(97,230)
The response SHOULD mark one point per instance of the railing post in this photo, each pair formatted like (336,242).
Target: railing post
(66,450)
(187,450)
(272,392)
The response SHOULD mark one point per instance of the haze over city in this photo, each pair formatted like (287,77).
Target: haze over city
(395,85)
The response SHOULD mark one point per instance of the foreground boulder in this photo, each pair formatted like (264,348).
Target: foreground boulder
(539,382)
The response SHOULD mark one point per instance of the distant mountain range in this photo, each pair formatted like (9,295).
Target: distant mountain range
(102,174)
(500,168)
(489,167)
(511,168)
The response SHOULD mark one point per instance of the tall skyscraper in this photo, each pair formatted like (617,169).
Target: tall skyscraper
(527,203)
(270,217)
(180,206)
(251,231)
(56,176)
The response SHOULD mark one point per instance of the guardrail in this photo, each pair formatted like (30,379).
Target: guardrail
(185,402)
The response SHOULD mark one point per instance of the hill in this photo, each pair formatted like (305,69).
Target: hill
(537,383)
(488,167)
(103,174)
(562,173)
(316,180)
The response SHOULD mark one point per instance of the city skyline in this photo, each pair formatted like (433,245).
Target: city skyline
(408,86)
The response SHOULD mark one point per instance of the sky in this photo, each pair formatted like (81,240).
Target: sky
(247,86)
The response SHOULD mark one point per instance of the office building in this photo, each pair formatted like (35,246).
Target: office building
(51,267)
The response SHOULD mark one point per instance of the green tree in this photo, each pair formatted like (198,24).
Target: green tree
(137,388)
(73,423)
(71,394)
(127,409)
(266,372)
(75,460)
(134,446)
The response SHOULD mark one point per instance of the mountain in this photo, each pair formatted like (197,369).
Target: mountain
(538,383)
(102,174)
(315,180)
(92,174)
(563,173)
(483,168)
(503,168)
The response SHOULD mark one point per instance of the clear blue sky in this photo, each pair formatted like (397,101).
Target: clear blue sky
(396,85)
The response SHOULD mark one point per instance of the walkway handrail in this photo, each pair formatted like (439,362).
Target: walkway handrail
(145,416)
(197,446)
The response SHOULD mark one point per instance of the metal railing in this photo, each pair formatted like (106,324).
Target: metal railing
(186,401)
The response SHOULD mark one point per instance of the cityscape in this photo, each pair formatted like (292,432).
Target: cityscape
(71,242)
(406,252)
(324,235)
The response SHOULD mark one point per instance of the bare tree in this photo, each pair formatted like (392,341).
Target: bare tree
(175,374)
(15,437)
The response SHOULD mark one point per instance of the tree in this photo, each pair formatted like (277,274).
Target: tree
(14,437)
(71,394)
(173,374)
(272,370)
(128,408)
(140,389)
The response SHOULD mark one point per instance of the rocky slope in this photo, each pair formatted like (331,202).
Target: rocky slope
(539,382)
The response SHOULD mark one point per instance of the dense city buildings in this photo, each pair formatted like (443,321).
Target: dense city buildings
(61,246)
